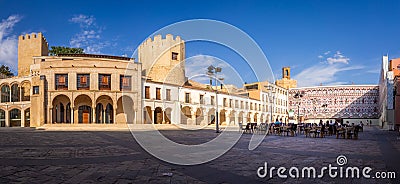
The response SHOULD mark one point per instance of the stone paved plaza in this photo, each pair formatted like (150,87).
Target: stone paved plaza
(111,155)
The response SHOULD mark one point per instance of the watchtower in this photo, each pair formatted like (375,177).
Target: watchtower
(286,72)
(163,60)
(30,45)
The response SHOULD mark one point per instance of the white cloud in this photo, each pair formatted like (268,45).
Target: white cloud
(327,52)
(83,20)
(323,73)
(320,57)
(89,37)
(338,57)
(8,42)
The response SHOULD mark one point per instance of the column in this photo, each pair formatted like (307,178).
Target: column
(51,115)
(20,94)
(163,116)
(193,119)
(245,118)
(205,119)
(135,117)
(227,118)
(251,117)
(152,116)
(93,114)
(114,115)
(7,118)
(72,115)
(236,118)
(22,118)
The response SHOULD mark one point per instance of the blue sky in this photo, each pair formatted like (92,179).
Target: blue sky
(328,42)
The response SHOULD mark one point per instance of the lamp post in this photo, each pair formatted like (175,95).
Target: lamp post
(314,102)
(212,71)
(298,96)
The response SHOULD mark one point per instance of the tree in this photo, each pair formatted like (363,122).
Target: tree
(56,50)
(5,71)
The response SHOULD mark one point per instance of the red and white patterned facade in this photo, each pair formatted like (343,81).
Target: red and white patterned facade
(333,102)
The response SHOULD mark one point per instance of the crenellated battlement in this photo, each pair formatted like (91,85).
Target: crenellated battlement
(33,36)
(169,38)
(30,45)
(162,58)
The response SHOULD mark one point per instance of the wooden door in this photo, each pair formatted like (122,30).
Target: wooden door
(85,117)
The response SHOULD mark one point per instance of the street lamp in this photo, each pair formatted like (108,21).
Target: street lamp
(314,102)
(212,71)
(298,96)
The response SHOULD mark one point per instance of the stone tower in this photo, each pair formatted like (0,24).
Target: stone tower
(286,82)
(163,60)
(30,45)
(286,72)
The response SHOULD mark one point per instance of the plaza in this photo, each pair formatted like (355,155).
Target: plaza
(82,154)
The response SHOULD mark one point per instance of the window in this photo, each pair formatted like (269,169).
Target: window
(174,56)
(158,93)
(187,97)
(125,83)
(61,81)
(168,94)
(201,99)
(224,102)
(104,81)
(147,92)
(83,81)
(212,100)
(35,90)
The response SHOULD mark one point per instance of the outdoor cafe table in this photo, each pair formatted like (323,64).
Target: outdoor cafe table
(344,131)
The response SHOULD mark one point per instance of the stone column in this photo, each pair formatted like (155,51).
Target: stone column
(22,118)
(193,119)
(163,116)
(7,118)
(205,119)
(51,115)
(236,118)
(72,115)
(94,114)
(20,94)
(245,118)
(114,115)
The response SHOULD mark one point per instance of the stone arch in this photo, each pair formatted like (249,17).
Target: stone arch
(61,112)
(211,116)
(232,117)
(255,117)
(15,92)
(147,113)
(199,116)
(186,115)
(167,115)
(241,117)
(25,90)
(158,115)
(125,110)
(5,93)
(2,118)
(222,117)
(15,117)
(27,120)
(104,112)
(83,104)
